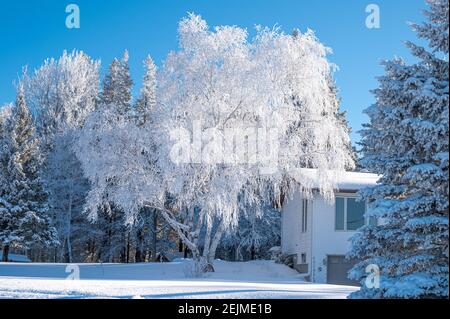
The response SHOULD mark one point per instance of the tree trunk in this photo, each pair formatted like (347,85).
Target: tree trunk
(109,244)
(128,248)
(93,253)
(180,245)
(182,230)
(69,230)
(5,253)
(154,234)
(139,255)
(215,242)
(207,241)
(69,251)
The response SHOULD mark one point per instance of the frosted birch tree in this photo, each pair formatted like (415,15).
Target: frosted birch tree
(62,93)
(236,118)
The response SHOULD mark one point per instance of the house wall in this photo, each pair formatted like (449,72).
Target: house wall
(321,238)
(293,240)
(290,226)
(326,240)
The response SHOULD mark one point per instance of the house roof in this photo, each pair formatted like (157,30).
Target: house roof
(356,180)
(341,181)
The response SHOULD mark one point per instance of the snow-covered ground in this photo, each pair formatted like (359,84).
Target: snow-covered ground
(255,279)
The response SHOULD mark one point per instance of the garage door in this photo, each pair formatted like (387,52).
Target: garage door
(337,271)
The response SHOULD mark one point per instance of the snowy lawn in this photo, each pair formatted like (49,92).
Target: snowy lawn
(255,279)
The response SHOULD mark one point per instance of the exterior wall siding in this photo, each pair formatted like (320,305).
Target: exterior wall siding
(326,240)
(321,238)
(294,241)
(290,225)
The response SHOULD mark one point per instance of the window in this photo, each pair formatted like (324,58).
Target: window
(350,214)
(303,258)
(340,212)
(304,215)
(355,214)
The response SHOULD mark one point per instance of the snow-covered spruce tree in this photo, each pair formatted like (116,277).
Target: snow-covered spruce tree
(69,189)
(5,114)
(341,117)
(407,142)
(63,93)
(117,86)
(114,106)
(145,105)
(24,219)
(147,100)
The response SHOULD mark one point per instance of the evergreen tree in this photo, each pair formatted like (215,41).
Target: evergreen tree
(341,118)
(68,189)
(145,105)
(62,94)
(407,142)
(117,86)
(5,113)
(147,100)
(24,218)
(116,99)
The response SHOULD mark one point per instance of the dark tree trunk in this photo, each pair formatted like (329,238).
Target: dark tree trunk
(180,246)
(5,253)
(128,249)
(140,254)
(92,252)
(154,234)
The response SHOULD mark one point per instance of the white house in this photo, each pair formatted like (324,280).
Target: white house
(317,231)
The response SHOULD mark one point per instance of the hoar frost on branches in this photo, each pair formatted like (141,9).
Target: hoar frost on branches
(217,83)
(24,214)
(62,93)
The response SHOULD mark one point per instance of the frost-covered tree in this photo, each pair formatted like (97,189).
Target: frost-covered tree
(63,93)
(407,142)
(147,100)
(114,106)
(341,117)
(24,218)
(69,189)
(5,114)
(117,86)
(217,84)
(258,230)
(145,105)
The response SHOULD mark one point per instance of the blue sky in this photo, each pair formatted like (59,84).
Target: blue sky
(31,31)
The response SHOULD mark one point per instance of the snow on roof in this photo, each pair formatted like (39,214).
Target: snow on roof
(16,258)
(350,181)
(357,180)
